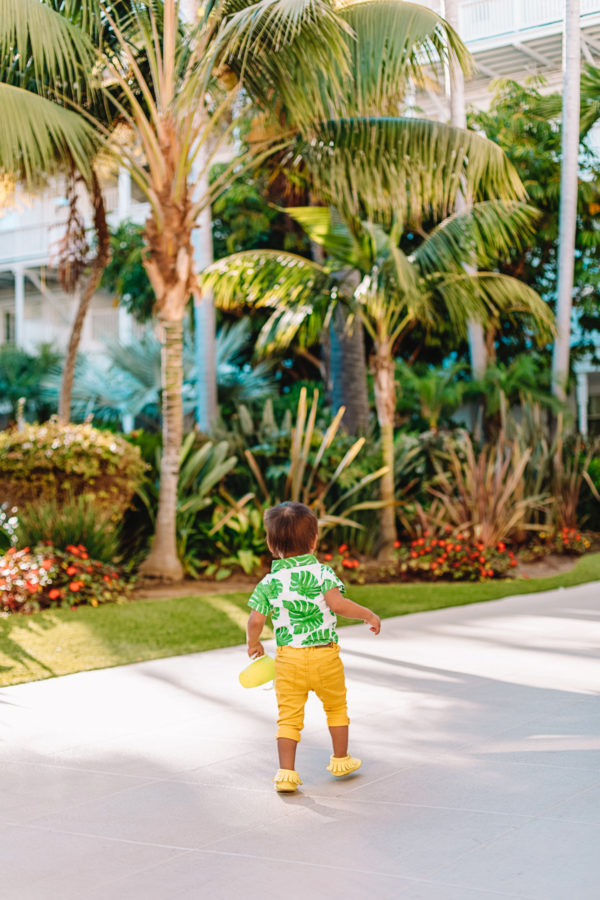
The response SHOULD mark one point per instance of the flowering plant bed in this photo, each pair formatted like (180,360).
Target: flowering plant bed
(45,577)
(428,558)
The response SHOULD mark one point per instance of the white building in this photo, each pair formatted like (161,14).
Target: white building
(508,38)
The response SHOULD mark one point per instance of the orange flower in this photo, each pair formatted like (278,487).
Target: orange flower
(501,547)
(342,548)
(47,564)
(71,570)
(75,586)
(347,563)
(84,556)
(413,554)
(107,579)
(397,544)
(328,557)
(31,587)
(54,594)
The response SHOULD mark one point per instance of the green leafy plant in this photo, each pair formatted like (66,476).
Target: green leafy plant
(201,470)
(54,462)
(44,577)
(302,476)
(481,491)
(76,522)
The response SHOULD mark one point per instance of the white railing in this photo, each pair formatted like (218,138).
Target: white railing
(492,18)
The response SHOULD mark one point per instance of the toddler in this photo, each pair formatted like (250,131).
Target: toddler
(303,596)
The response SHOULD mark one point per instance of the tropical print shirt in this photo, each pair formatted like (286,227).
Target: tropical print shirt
(293,593)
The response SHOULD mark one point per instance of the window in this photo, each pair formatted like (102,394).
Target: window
(594,414)
(9,326)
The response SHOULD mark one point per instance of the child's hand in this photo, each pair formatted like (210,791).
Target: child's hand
(374,623)
(256,650)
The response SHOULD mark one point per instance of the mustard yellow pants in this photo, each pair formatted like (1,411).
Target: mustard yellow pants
(299,670)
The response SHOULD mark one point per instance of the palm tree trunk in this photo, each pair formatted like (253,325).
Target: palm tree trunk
(568,198)
(162,561)
(349,371)
(385,402)
(86,292)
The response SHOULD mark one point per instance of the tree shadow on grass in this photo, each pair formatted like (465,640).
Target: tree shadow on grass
(14,650)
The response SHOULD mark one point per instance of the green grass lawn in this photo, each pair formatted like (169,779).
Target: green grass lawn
(65,641)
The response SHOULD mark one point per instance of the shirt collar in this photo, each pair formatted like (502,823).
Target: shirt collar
(293,562)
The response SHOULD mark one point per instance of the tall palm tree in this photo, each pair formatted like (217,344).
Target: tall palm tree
(178,113)
(389,42)
(395,291)
(568,197)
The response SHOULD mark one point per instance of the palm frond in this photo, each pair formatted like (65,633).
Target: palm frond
(38,39)
(394,41)
(485,293)
(38,133)
(487,232)
(283,51)
(324,226)
(403,168)
(263,278)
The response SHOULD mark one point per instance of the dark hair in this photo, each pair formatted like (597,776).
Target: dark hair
(291,529)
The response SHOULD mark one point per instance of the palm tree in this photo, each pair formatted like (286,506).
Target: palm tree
(69,87)
(395,291)
(568,198)
(178,114)
(41,136)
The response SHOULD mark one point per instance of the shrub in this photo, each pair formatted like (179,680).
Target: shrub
(58,462)
(75,522)
(46,577)
(482,491)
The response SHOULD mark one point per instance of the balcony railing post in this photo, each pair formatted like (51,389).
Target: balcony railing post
(19,336)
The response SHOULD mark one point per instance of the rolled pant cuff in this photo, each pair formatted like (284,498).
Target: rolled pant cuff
(337,721)
(287,731)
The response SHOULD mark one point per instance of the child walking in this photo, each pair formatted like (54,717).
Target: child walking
(303,596)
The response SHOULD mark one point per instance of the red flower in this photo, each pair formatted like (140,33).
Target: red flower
(84,556)
(397,544)
(356,564)
(347,564)
(413,554)
(54,594)
(342,548)
(71,570)
(47,564)
(501,547)
(107,579)
(75,586)
(31,587)
(328,557)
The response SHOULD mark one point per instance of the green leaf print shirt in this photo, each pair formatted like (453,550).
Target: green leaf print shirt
(293,593)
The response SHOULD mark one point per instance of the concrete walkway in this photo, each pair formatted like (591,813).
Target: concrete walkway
(479,728)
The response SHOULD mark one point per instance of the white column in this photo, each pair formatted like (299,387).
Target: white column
(568,198)
(458,118)
(125,326)
(582,402)
(19,306)
(124,199)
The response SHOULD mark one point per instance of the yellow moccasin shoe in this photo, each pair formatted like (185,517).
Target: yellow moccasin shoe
(286,781)
(343,765)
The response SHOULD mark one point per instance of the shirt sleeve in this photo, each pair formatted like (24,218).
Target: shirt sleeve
(259,600)
(330,580)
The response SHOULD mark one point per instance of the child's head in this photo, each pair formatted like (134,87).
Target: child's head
(292,529)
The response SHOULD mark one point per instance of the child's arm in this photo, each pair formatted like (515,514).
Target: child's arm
(339,604)
(256,622)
